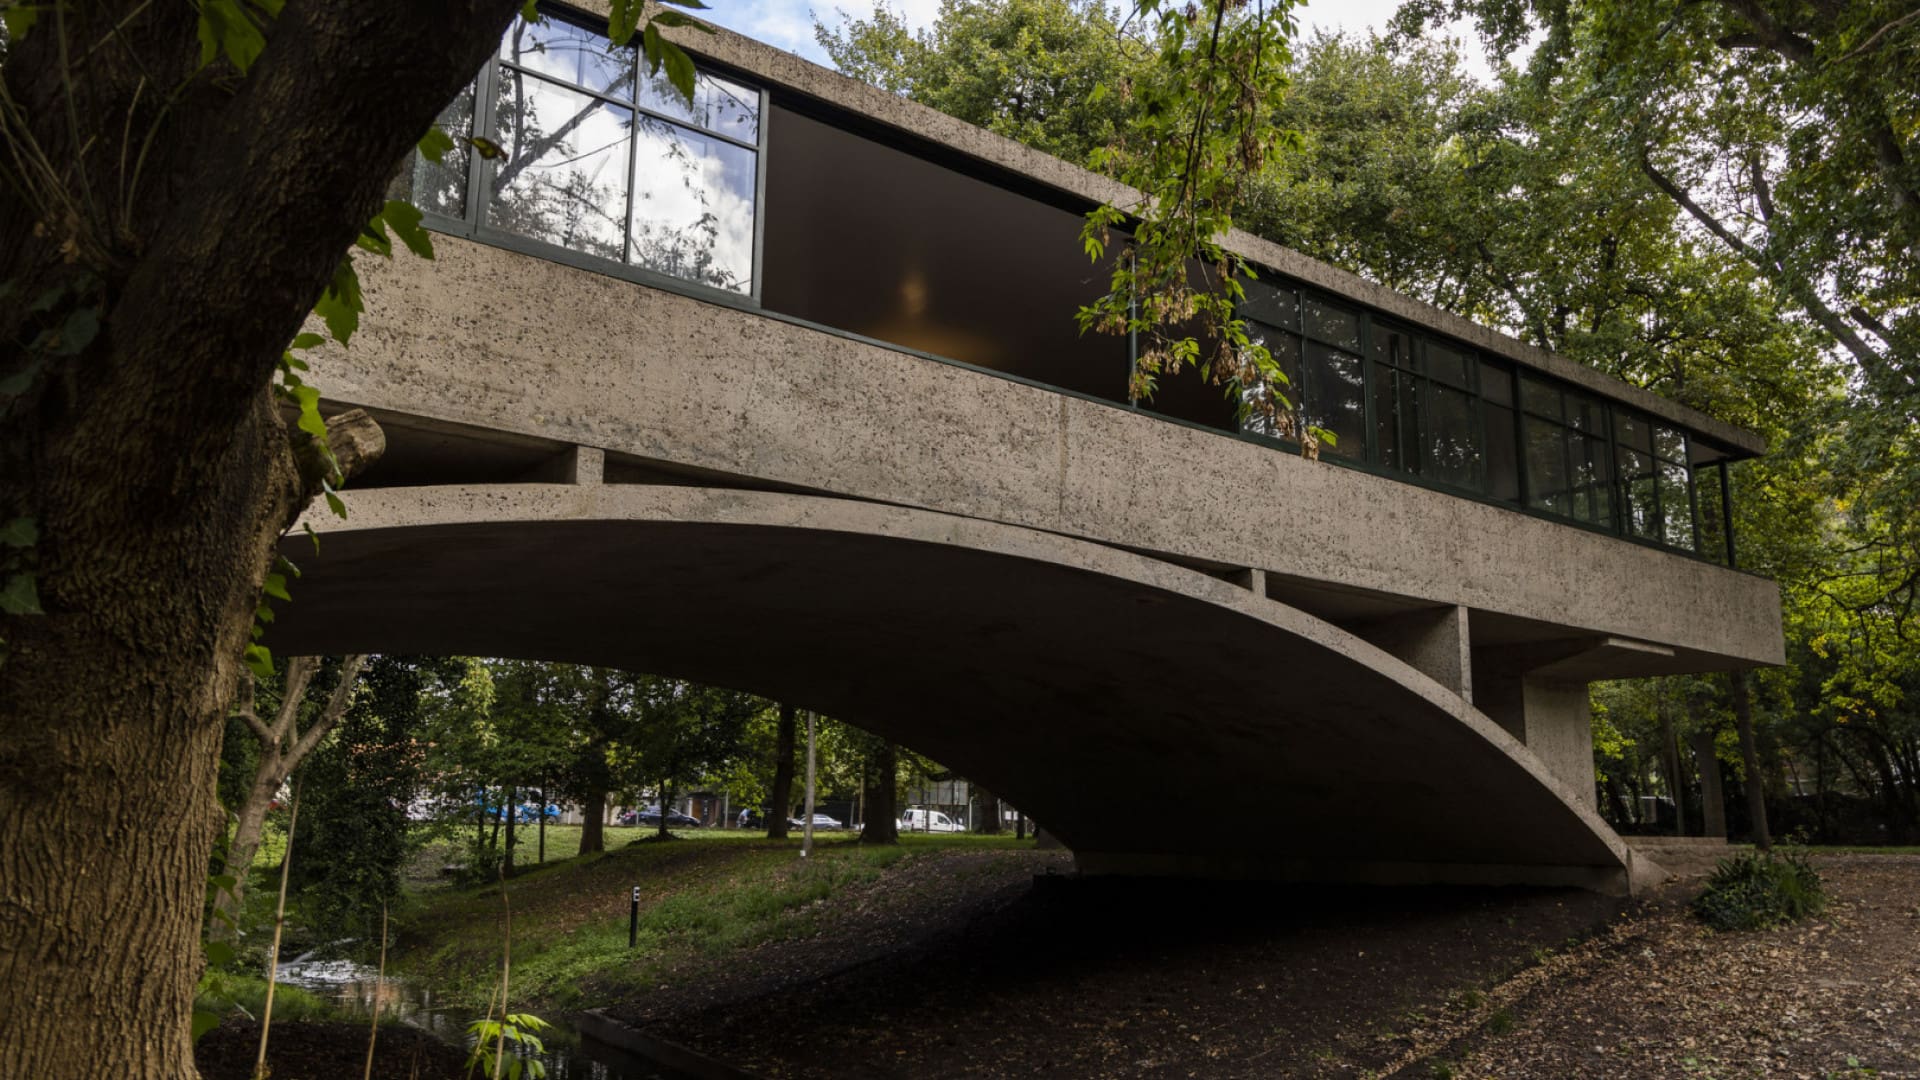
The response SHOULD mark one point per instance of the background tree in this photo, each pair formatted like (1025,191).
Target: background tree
(685,731)
(278,749)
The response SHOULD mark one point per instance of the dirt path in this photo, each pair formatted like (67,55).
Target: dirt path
(1104,978)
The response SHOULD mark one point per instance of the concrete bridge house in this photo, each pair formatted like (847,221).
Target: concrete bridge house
(783,391)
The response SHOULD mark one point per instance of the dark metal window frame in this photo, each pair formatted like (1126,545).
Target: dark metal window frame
(1616,523)
(473,224)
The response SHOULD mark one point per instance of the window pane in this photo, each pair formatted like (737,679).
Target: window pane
(1639,486)
(1547,467)
(440,187)
(1669,444)
(1503,467)
(1539,397)
(1592,479)
(719,105)
(1270,304)
(1386,416)
(1450,365)
(1585,413)
(1713,522)
(693,206)
(562,175)
(1285,350)
(1391,345)
(1496,383)
(1335,326)
(1335,400)
(570,53)
(1452,444)
(1676,510)
(1632,430)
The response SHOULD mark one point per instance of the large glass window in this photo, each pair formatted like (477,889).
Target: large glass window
(599,158)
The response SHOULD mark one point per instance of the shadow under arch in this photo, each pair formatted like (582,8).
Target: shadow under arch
(1153,717)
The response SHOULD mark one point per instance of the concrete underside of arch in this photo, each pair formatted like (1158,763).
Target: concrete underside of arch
(1156,719)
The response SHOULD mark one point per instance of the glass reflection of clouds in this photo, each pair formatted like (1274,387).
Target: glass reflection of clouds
(572,54)
(693,203)
(564,174)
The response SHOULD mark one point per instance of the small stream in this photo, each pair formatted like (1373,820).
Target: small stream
(358,989)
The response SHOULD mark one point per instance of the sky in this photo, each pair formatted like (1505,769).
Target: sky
(788,24)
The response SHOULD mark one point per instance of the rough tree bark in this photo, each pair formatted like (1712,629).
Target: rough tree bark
(283,746)
(1750,756)
(883,810)
(989,821)
(782,796)
(593,821)
(155,462)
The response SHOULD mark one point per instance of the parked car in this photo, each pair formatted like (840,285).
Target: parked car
(531,813)
(929,821)
(651,816)
(820,821)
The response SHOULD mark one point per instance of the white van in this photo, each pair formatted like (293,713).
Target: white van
(929,821)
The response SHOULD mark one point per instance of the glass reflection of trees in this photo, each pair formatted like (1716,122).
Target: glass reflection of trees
(1429,408)
(599,157)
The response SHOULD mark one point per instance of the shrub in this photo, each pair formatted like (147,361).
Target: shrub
(1751,891)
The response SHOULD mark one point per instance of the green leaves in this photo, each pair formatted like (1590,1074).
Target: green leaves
(19,596)
(227,28)
(341,305)
(434,146)
(19,18)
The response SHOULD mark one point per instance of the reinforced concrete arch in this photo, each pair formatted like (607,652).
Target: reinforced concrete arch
(1155,717)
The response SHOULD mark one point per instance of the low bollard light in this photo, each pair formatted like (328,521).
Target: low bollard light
(633,919)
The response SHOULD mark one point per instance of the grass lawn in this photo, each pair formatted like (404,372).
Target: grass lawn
(704,893)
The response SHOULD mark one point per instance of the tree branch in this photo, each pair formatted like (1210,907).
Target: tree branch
(336,708)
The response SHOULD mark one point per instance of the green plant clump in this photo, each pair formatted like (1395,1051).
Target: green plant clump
(1751,891)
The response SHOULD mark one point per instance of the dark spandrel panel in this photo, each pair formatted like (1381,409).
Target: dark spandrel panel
(1670,444)
(1547,467)
(719,104)
(693,206)
(1503,465)
(1713,521)
(1676,509)
(1386,417)
(1586,414)
(1591,479)
(563,173)
(441,187)
(1332,324)
(1450,365)
(569,53)
(1539,397)
(1336,400)
(1496,382)
(1389,344)
(1632,430)
(1270,304)
(1453,448)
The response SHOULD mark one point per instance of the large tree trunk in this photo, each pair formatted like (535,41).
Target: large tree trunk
(666,805)
(593,824)
(1713,804)
(1750,756)
(989,821)
(883,812)
(155,463)
(782,796)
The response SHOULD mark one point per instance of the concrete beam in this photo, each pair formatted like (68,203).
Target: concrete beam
(1435,641)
